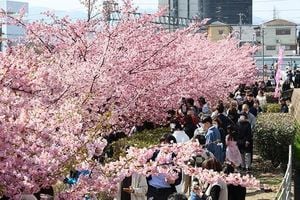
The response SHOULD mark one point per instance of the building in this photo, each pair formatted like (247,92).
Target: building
(11,34)
(225,11)
(234,11)
(275,33)
(218,30)
(245,33)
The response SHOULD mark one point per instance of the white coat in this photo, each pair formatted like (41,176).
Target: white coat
(139,185)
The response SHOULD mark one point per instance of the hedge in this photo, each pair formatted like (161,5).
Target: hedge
(270,98)
(273,134)
(297,147)
(271,108)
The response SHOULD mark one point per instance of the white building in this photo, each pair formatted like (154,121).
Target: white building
(248,33)
(11,34)
(179,8)
(223,11)
(275,33)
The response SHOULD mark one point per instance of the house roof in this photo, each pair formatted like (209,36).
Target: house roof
(218,23)
(279,22)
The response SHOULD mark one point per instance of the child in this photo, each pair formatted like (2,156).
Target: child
(233,154)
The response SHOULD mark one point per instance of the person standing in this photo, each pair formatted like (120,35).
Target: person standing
(218,189)
(190,124)
(284,107)
(213,139)
(261,97)
(233,154)
(235,192)
(295,65)
(250,117)
(245,141)
(181,137)
(250,102)
(297,78)
(203,106)
(179,134)
(232,112)
(133,188)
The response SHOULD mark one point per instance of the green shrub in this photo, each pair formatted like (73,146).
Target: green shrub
(270,89)
(297,147)
(271,108)
(273,133)
(141,139)
(270,98)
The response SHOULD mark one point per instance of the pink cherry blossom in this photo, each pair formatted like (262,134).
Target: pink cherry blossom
(72,82)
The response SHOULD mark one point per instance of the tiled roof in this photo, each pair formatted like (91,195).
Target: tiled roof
(279,22)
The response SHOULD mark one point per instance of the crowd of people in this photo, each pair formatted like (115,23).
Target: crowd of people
(223,131)
(292,80)
(290,77)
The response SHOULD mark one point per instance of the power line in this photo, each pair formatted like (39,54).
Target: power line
(285,10)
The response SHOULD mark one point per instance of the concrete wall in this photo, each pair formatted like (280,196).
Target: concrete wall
(296,104)
(248,33)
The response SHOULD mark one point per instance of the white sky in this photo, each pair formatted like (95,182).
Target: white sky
(285,9)
(75,5)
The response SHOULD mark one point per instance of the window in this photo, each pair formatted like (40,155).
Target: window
(290,47)
(271,47)
(221,32)
(283,31)
(257,33)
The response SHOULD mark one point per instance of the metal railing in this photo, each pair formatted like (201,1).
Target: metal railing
(164,20)
(284,192)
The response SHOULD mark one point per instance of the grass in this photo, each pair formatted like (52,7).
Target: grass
(270,179)
(297,145)
(141,139)
(266,173)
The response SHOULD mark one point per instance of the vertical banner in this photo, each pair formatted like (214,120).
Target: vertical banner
(278,72)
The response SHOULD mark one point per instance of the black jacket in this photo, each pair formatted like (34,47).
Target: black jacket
(244,134)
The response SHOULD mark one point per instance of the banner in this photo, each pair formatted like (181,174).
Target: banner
(278,72)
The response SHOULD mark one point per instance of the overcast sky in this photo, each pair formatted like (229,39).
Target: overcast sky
(263,9)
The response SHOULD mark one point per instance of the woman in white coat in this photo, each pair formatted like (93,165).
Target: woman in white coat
(137,189)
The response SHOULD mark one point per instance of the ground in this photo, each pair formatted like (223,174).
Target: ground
(269,177)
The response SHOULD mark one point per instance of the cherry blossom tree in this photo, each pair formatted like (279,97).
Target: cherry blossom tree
(71,82)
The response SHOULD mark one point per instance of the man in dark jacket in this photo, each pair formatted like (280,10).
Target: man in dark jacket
(297,79)
(245,141)
(284,107)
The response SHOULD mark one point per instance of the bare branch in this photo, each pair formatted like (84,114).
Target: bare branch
(151,56)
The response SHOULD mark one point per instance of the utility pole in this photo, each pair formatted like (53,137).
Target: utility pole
(169,2)
(274,13)
(263,51)
(188,9)
(240,23)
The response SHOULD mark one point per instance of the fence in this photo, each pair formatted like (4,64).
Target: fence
(296,104)
(284,192)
